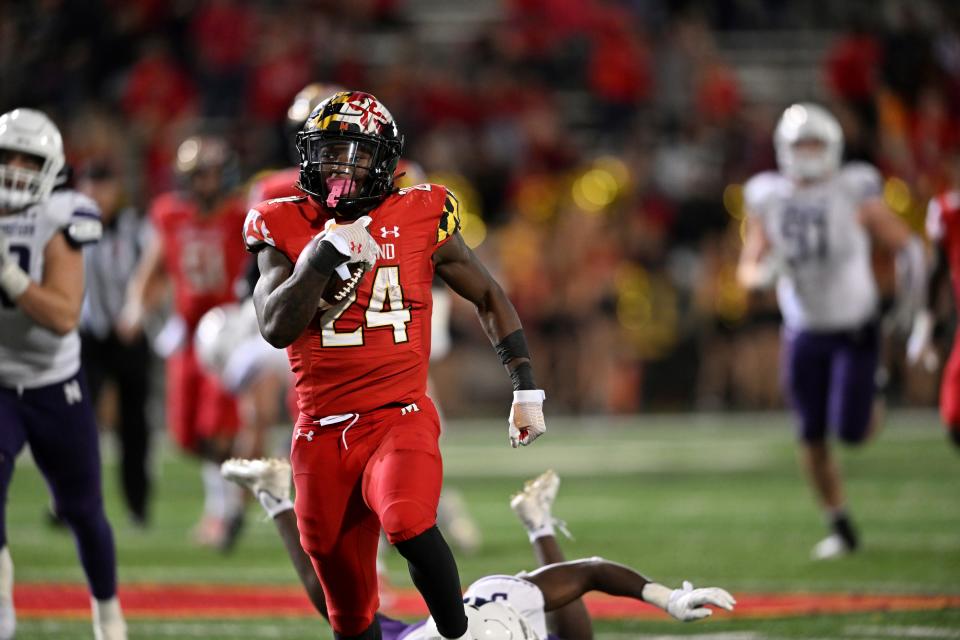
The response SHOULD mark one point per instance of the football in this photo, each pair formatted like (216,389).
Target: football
(342,283)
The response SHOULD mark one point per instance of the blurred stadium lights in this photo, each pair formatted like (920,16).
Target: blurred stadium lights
(731,302)
(733,200)
(537,198)
(646,311)
(896,193)
(599,186)
(473,228)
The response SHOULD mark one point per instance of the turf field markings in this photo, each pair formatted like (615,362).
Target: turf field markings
(137,628)
(902,632)
(727,635)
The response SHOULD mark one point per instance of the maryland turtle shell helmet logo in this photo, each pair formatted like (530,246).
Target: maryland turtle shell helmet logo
(349,149)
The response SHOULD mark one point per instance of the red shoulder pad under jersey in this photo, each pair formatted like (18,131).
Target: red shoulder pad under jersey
(286,224)
(277,184)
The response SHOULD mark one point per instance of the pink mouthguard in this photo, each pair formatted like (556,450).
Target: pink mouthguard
(337,186)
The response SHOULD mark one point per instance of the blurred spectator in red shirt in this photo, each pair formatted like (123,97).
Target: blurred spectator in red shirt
(223,34)
(158,91)
(619,71)
(282,68)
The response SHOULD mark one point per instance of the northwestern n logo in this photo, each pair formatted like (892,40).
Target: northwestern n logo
(72,392)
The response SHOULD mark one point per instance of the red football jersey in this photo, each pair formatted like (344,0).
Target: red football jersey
(200,252)
(943,226)
(372,350)
(278,184)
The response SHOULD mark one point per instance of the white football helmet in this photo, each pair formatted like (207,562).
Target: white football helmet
(808,121)
(491,621)
(220,331)
(31,132)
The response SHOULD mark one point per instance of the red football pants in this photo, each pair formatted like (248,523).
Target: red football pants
(381,469)
(198,407)
(950,388)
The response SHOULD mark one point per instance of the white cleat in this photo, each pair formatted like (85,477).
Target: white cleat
(831,547)
(112,631)
(8,615)
(534,504)
(268,477)
(108,622)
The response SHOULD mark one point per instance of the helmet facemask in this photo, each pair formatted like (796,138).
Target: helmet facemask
(31,156)
(349,174)
(207,168)
(21,185)
(809,142)
(811,159)
(347,156)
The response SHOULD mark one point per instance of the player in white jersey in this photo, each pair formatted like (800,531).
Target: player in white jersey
(810,230)
(43,397)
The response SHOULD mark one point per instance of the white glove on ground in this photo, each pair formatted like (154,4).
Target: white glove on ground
(687,604)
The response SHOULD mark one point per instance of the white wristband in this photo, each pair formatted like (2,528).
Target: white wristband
(528,395)
(13,280)
(656,594)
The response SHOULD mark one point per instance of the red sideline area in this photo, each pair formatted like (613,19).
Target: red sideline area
(43,600)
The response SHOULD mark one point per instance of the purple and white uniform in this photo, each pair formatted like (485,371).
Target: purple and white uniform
(827,295)
(43,396)
(520,594)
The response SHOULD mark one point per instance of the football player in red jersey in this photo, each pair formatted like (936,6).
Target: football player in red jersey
(943,229)
(365,451)
(194,248)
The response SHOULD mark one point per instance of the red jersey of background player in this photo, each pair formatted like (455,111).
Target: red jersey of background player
(373,350)
(200,252)
(943,227)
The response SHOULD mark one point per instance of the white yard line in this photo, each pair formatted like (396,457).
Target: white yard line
(913,631)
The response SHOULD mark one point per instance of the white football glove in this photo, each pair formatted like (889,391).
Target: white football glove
(13,280)
(526,417)
(687,604)
(352,240)
(920,343)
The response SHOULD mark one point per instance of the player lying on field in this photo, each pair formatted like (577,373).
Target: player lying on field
(545,603)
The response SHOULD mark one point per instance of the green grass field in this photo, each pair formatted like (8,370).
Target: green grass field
(716,500)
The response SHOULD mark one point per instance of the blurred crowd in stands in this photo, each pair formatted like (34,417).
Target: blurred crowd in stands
(597,145)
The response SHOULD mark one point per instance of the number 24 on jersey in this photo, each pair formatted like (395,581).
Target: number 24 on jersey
(386,293)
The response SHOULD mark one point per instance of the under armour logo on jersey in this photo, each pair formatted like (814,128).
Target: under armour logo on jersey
(303,433)
(72,392)
(356,247)
(384,232)
(410,408)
